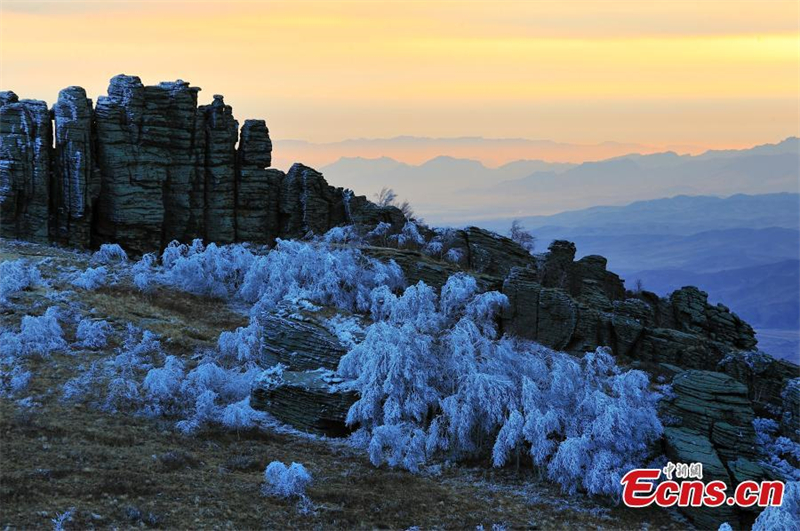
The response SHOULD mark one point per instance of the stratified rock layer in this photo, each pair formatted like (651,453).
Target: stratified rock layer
(715,428)
(76,179)
(148,166)
(26,135)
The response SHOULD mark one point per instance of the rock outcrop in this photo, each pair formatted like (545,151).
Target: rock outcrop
(257,186)
(308,400)
(579,305)
(26,135)
(715,428)
(77,178)
(148,165)
(304,394)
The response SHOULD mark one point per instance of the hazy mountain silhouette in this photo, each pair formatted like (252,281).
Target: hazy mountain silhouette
(416,150)
(447,190)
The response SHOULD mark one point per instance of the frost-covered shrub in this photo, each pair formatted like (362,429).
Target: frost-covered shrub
(343,234)
(211,270)
(409,237)
(38,336)
(379,234)
(123,394)
(240,416)
(434,380)
(286,482)
(92,278)
(243,344)
(786,516)
(209,389)
(440,245)
(292,272)
(454,255)
(109,253)
(14,379)
(114,384)
(15,276)
(79,389)
(776,451)
(295,271)
(92,333)
(162,387)
(59,522)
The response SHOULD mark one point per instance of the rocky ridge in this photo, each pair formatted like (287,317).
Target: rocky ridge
(148,165)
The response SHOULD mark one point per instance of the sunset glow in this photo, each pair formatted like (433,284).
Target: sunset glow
(702,74)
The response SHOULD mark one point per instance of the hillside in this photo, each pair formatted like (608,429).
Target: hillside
(191,338)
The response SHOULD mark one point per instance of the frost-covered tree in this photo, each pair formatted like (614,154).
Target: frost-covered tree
(776,451)
(434,380)
(295,271)
(522,236)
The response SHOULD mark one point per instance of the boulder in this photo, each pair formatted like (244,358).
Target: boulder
(684,445)
(310,401)
(300,344)
(308,204)
(489,253)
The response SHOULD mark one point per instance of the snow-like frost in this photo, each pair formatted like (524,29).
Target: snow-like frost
(92,333)
(286,482)
(434,380)
(91,278)
(109,253)
(785,517)
(15,276)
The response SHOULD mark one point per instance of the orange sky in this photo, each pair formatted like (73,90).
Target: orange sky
(711,73)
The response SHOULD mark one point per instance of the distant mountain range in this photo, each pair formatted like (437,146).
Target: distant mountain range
(490,151)
(447,190)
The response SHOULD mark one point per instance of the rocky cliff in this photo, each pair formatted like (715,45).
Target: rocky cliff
(148,165)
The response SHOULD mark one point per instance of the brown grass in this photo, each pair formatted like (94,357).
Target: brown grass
(118,470)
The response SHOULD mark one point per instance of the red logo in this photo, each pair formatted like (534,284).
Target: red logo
(640,488)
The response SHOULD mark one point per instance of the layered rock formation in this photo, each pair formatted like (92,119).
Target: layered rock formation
(578,305)
(715,427)
(148,165)
(26,135)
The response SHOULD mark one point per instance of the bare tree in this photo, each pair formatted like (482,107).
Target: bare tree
(387,197)
(638,286)
(522,236)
